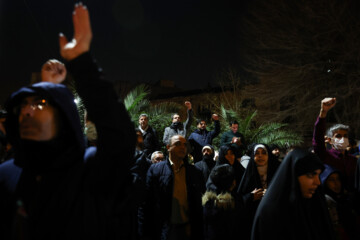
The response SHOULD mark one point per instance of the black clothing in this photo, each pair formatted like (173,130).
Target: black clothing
(154,218)
(250,181)
(65,191)
(206,164)
(151,142)
(284,213)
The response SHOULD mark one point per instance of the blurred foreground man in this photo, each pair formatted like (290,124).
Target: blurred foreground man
(55,188)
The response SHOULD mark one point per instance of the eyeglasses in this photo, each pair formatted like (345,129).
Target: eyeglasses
(36,104)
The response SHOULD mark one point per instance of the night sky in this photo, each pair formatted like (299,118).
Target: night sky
(188,41)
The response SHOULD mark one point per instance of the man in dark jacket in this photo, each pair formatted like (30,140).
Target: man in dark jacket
(151,143)
(207,163)
(200,137)
(235,138)
(173,206)
(63,190)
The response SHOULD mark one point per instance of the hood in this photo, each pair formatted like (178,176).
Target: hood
(327,172)
(60,97)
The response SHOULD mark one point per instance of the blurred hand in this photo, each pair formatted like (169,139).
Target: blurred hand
(53,71)
(257,193)
(326,105)
(82,35)
(215,117)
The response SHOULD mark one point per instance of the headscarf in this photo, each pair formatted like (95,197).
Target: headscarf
(296,217)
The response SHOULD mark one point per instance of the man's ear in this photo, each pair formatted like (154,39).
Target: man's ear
(167,146)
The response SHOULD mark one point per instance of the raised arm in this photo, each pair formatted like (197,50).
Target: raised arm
(190,116)
(116,137)
(320,127)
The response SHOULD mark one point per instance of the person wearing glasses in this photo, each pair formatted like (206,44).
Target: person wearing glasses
(337,156)
(58,188)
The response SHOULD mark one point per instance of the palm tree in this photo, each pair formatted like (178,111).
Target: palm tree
(268,133)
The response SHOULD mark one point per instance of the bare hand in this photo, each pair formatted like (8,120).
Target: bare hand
(257,193)
(236,140)
(82,35)
(53,71)
(188,104)
(326,105)
(215,117)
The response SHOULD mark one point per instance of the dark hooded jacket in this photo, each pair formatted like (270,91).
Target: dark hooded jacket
(284,213)
(341,207)
(250,181)
(206,164)
(66,191)
(238,168)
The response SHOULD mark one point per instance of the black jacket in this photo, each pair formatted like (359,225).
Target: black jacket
(155,216)
(65,191)
(151,142)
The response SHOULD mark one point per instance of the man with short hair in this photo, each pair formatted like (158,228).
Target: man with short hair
(58,188)
(235,138)
(157,156)
(336,157)
(201,137)
(177,127)
(151,142)
(174,188)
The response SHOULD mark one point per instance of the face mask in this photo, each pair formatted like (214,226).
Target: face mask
(340,144)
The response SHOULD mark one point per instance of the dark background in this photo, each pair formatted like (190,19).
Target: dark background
(189,42)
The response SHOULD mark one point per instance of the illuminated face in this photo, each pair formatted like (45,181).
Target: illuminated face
(202,125)
(261,157)
(276,152)
(309,182)
(230,157)
(340,133)
(176,118)
(177,147)
(333,182)
(207,151)
(143,122)
(158,158)
(234,128)
(37,119)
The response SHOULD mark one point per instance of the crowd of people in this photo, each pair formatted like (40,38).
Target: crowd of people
(116,183)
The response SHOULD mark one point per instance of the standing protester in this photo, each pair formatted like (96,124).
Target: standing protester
(65,191)
(294,207)
(151,143)
(337,156)
(207,163)
(235,138)
(257,177)
(172,209)
(177,127)
(201,137)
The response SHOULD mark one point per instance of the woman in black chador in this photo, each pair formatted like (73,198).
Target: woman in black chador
(294,206)
(257,177)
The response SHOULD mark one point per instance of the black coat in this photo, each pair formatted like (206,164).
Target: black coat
(283,213)
(250,181)
(151,142)
(155,216)
(65,191)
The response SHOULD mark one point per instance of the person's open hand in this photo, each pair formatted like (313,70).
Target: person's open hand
(82,35)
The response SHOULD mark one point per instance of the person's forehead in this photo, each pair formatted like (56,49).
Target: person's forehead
(31,98)
(341,131)
(143,118)
(176,139)
(234,125)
